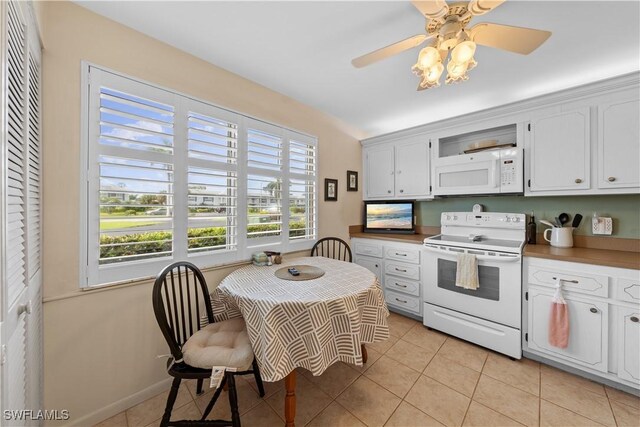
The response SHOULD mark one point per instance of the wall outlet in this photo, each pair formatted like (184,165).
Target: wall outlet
(602,225)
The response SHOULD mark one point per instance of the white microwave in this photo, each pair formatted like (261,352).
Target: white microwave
(487,172)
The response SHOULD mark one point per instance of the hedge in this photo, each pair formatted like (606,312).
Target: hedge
(161,241)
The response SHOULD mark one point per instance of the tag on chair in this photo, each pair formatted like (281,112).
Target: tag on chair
(217,375)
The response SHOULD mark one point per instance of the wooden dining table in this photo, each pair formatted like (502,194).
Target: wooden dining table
(308,324)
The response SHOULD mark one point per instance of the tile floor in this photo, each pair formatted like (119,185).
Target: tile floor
(416,378)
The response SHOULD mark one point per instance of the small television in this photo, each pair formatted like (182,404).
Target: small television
(389,217)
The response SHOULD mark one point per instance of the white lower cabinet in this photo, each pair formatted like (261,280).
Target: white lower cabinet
(604,318)
(628,322)
(397,266)
(588,329)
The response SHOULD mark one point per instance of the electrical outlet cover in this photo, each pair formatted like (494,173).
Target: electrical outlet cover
(602,225)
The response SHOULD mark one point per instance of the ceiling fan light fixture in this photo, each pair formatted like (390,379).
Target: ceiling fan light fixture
(463,52)
(428,57)
(456,72)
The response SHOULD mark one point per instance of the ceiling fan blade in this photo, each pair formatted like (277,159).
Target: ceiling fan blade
(514,39)
(480,7)
(385,52)
(432,9)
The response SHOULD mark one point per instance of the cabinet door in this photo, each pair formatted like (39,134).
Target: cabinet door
(380,171)
(588,333)
(560,151)
(371,264)
(619,144)
(412,169)
(629,341)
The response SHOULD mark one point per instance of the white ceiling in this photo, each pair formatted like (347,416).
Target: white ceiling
(304,49)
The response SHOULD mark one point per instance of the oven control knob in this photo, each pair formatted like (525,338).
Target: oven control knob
(508,219)
(455,217)
(448,217)
(516,219)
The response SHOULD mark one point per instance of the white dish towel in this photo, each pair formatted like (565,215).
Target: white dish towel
(467,272)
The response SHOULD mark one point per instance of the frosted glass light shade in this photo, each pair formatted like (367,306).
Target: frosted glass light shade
(428,57)
(463,52)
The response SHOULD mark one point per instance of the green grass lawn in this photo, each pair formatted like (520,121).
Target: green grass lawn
(114,225)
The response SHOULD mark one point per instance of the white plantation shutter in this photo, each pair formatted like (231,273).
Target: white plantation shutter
(265,182)
(16,156)
(212,179)
(131,196)
(302,187)
(173,178)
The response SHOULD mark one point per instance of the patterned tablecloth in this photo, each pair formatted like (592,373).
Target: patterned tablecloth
(309,324)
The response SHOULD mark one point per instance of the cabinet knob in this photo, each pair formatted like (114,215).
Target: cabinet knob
(376,265)
(611,178)
(399,172)
(402,191)
(634,319)
(578,181)
(593,310)
(389,191)
(24,308)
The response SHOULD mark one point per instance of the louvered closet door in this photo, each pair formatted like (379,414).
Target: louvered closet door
(34,359)
(21,296)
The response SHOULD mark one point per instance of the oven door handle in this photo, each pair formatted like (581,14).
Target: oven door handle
(492,258)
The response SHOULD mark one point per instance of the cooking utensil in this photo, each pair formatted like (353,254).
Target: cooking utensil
(557,220)
(564,218)
(576,220)
(545,222)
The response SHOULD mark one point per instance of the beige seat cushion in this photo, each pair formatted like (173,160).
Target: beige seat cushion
(223,343)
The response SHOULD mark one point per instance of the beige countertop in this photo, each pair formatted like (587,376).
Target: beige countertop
(607,257)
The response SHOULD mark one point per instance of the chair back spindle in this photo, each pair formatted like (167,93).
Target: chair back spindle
(332,247)
(177,294)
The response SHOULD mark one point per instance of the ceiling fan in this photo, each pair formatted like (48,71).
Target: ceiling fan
(447,32)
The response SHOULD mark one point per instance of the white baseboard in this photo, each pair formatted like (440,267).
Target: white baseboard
(122,404)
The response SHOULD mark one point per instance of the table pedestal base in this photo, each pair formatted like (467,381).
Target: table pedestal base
(364,353)
(290,399)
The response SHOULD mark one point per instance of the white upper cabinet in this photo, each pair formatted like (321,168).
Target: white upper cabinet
(412,169)
(379,170)
(397,169)
(560,151)
(619,144)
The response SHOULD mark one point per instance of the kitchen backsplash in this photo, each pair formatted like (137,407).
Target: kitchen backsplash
(624,209)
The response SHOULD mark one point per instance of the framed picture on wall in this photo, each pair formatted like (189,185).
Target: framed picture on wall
(352,181)
(330,190)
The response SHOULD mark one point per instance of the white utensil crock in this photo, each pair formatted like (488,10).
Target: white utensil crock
(560,237)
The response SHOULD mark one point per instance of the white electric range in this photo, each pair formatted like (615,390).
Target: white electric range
(489,316)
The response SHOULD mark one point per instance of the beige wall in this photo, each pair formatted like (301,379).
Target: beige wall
(101,346)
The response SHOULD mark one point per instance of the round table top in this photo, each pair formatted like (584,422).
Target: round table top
(259,283)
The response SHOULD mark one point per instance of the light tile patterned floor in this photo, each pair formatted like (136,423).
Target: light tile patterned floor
(417,378)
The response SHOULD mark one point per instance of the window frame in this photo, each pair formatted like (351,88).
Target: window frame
(92,274)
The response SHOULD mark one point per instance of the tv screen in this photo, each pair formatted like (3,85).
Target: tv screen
(388,217)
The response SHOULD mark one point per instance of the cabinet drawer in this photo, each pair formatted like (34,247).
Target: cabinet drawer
(404,302)
(402,254)
(409,271)
(628,290)
(402,285)
(573,281)
(369,249)
(374,265)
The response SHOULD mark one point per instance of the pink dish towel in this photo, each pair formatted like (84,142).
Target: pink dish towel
(559,320)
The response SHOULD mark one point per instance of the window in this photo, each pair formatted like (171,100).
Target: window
(173,178)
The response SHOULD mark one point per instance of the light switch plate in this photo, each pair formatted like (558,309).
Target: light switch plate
(602,225)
